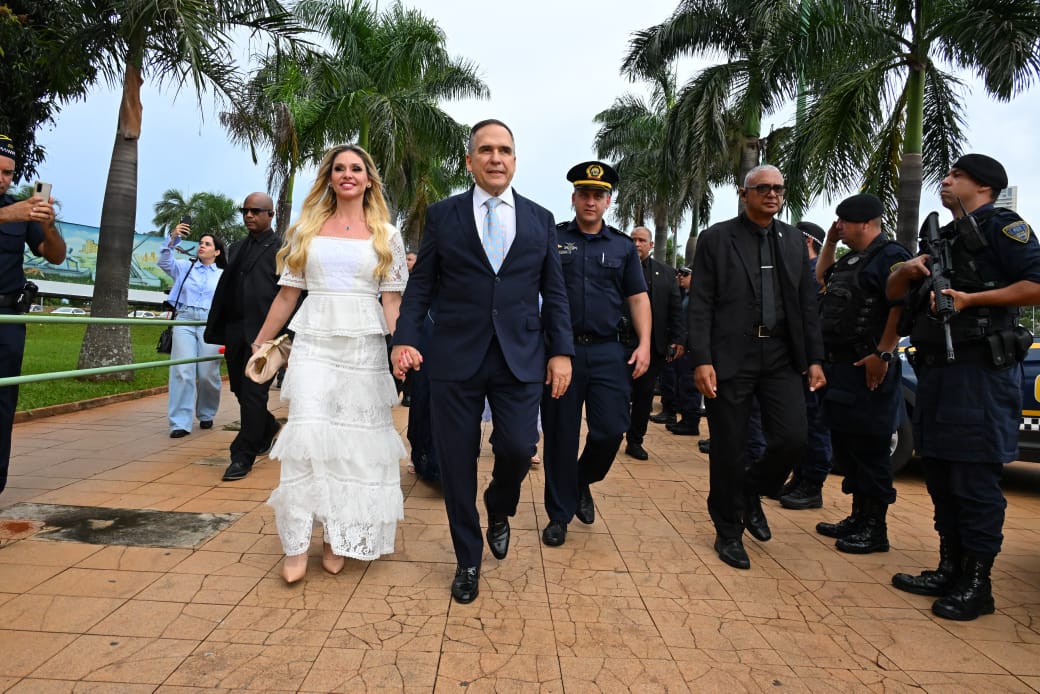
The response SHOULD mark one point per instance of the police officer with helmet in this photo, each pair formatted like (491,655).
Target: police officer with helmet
(863,402)
(602,271)
(968,408)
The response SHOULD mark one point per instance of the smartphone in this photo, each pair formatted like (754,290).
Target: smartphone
(186,219)
(42,190)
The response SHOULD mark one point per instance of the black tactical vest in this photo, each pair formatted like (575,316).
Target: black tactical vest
(849,318)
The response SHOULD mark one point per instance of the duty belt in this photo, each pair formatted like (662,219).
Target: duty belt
(967,353)
(590,339)
(8,300)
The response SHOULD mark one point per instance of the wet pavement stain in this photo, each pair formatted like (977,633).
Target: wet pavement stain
(120,526)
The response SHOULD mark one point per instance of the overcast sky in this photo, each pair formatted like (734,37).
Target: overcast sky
(550,66)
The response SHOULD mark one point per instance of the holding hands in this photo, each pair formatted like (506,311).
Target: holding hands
(404,357)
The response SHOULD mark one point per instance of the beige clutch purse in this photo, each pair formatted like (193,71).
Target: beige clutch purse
(266,361)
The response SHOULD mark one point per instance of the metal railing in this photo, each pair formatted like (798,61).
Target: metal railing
(100,370)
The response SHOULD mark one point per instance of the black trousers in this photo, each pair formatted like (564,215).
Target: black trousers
(867,464)
(258,425)
(12,347)
(456,407)
(766,372)
(969,504)
(643,399)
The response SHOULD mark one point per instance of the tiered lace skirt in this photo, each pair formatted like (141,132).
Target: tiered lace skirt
(339,451)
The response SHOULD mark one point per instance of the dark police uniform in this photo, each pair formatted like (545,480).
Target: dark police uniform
(967,412)
(853,314)
(14,236)
(601,271)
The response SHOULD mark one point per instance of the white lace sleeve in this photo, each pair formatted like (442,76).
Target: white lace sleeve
(397,277)
(291,279)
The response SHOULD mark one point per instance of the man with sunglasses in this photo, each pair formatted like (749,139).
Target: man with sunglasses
(240,304)
(753,331)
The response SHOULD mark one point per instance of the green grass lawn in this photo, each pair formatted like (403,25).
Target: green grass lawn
(56,348)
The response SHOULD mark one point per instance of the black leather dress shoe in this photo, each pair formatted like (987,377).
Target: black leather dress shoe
(663,418)
(497,532)
(555,533)
(704,446)
(732,552)
(586,511)
(178,433)
(637,451)
(237,470)
(206,424)
(466,585)
(755,519)
(684,428)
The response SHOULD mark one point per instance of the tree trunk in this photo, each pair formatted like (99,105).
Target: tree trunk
(110,345)
(909,200)
(750,153)
(660,234)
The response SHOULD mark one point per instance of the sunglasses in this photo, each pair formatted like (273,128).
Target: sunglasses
(764,188)
(252,210)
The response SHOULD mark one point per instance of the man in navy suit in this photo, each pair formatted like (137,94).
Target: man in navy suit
(486,256)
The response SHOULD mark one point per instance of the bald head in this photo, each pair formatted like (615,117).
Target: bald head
(257,212)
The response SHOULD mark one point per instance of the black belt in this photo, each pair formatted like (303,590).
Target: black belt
(763,332)
(590,339)
(969,353)
(9,300)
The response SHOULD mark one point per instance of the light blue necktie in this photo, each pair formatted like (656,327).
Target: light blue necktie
(493,236)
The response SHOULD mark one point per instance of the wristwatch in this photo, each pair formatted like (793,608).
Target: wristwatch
(883,356)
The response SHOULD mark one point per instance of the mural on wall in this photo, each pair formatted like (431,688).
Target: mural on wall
(81,259)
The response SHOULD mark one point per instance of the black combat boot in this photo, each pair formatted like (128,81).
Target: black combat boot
(938,582)
(805,495)
(846,526)
(872,535)
(972,595)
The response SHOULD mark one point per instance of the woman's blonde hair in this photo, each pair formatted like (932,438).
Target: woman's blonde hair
(320,204)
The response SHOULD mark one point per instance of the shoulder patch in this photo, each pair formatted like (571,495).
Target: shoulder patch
(1018,231)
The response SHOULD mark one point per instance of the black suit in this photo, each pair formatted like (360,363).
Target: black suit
(489,339)
(667,329)
(240,304)
(724,309)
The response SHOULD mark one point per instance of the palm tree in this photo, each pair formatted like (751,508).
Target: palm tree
(380,84)
(211,213)
(883,112)
(717,116)
(279,113)
(167,41)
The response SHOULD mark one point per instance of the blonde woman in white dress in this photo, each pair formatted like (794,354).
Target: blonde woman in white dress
(339,451)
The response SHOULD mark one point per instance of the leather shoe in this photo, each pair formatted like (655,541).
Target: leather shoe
(684,428)
(663,417)
(237,470)
(178,433)
(732,552)
(206,424)
(466,585)
(637,451)
(497,532)
(704,445)
(755,519)
(555,533)
(586,511)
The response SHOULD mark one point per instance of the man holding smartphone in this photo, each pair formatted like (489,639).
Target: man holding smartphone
(26,222)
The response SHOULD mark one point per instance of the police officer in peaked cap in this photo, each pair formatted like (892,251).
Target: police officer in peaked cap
(602,272)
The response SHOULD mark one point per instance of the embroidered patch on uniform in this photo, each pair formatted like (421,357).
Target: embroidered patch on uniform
(854,259)
(567,248)
(1019,231)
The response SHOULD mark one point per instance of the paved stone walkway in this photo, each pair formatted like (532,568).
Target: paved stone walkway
(636,602)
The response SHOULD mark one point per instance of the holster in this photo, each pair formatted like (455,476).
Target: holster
(26,297)
(1008,347)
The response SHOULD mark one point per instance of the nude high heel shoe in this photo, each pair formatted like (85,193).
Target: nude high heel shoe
(333,563)
(294,568)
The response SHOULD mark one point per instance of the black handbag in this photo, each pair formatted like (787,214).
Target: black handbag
(165,344)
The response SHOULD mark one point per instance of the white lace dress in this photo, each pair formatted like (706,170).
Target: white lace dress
(339,451)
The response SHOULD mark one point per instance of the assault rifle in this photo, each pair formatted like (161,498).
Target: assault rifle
(940,264)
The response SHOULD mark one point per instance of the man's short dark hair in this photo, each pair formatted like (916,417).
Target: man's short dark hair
(483,124)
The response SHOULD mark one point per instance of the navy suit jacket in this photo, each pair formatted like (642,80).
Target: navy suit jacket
(473,303)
